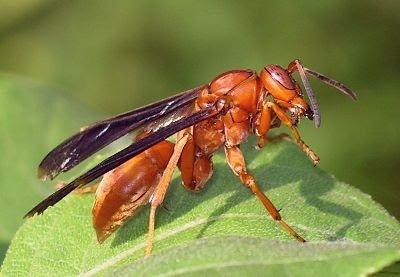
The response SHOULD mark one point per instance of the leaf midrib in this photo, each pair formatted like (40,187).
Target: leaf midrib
(220,265)
(112,261)
(166,234)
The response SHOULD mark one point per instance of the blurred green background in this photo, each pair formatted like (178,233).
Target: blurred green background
(112,56)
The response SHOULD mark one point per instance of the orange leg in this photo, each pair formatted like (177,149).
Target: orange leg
(264,122)
(262,125)
(286,120)
(279,137)
(236,162)
(292,67)
(86,189)
(195,166)
(159,193)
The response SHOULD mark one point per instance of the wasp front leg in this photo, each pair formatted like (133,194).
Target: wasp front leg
(280,113)
(262,125)
(266,120)
(236,162)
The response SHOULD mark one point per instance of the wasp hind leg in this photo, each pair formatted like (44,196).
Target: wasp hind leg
(236,162)
(91,188)
(159,193)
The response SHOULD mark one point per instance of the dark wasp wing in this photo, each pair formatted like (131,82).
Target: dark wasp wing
(98,135)
(124,155)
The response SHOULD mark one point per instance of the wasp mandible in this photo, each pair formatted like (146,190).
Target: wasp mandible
(221,114)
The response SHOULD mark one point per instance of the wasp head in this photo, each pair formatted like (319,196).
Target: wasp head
(287,93)
(279,83)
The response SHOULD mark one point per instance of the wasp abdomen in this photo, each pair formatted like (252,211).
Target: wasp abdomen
(126,188)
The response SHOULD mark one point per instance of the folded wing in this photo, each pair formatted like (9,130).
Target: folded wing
(98,135)
(124,155)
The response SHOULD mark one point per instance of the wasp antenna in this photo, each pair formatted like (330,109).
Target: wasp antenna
(333,83)
(310,94)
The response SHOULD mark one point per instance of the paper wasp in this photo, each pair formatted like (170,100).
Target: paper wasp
(223,113)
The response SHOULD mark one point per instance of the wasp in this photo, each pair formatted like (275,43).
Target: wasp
(220,114)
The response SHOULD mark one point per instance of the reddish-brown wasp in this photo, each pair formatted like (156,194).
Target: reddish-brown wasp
(219,114)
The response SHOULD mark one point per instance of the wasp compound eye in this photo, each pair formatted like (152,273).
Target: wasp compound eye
(281,76)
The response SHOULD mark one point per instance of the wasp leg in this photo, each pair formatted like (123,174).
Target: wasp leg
(263,124)
(292,67)
(159,193)
(279,137)
(195,165)
(286,120)
(266,120)
(236,162)
(86,189)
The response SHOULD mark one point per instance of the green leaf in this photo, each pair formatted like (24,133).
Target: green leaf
(242,256)
(33,119)
(223,229)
